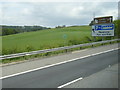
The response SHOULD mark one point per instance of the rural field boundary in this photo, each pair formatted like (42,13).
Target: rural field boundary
(55,49)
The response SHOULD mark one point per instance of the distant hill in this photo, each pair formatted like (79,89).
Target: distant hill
(8,30)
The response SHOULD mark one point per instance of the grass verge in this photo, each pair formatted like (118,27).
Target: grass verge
(42,55)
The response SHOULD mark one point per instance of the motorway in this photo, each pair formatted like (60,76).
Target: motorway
(57,75)
(106,78)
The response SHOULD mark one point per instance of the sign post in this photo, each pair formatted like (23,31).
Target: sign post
(103,26)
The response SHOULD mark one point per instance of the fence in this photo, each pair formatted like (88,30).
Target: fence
(54,49)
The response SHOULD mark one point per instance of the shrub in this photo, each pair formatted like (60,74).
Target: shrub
(29,48)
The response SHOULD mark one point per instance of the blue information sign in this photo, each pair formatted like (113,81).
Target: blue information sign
(103,30)
(104,27)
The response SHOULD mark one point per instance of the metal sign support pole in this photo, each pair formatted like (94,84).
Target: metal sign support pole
(102,38)
(94,39)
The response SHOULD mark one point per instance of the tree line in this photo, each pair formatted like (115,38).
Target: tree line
(8,30)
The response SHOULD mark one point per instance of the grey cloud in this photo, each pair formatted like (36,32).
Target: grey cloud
(53,14)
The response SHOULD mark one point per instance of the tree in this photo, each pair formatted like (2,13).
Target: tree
(117,28)
(91,23)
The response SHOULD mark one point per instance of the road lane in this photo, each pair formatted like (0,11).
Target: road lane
(55,76)
(107,78)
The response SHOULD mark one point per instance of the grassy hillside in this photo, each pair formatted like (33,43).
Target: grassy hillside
(50,38)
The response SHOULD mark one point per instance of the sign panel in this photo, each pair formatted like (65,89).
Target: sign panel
(103,20)
(103,30)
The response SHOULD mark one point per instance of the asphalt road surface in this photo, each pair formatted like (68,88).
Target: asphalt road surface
(57,75)
(107,78)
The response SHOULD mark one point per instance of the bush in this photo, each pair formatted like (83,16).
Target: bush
(29,48)
(117,28)
(73,42)
(88,39)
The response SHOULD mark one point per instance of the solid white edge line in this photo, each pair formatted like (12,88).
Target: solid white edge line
(57,64)
(70,82)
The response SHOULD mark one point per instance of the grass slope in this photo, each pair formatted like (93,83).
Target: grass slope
(45,39)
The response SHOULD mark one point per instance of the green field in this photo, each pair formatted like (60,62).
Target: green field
(45,39)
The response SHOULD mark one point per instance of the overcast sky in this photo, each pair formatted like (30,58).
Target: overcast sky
(51,14)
